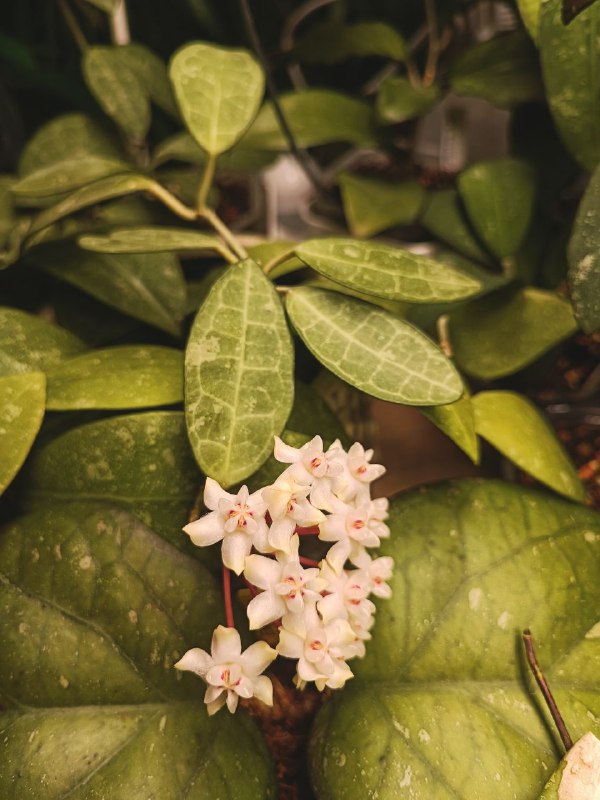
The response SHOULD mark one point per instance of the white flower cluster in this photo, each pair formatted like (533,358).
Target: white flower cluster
(323,611)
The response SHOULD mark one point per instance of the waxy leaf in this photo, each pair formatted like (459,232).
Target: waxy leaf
(398,100)
(182,147)
(384,271)
(22,401)
(330,42)
(371,349)
(584,258)
(149,287)
(65,176)
(96,609)
(457,421)
(519,431)
(29,344)
(265,252)
(504,332)
(117,377)
(372,206)
(218,91)
(530,14)
(312,416)
(499,197)
(153,239)
(140,461)
(443,705)
(443,216)
(571,65)
(238,374)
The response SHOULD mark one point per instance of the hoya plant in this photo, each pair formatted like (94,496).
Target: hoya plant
(179,499)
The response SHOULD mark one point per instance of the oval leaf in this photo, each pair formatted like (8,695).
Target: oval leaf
(384,271)
(500,334)
(584,258)
(371,349)
(22,401)
(443,217)
(457,421)
(65,176)
(117,377)
(238,374)
(499,197)
(398,100)
(150,240)
(372,206)
(442,706)
(530,14)
(218,90)
(330,42)
(516,428)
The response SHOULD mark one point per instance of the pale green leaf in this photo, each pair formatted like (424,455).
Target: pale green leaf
(504,332)
(312,416)
(443,217)
(30,344)
(385,271)
(571,66)
(218,91)
(584,258)
(65,176)
(265,253)
(140,461)
(315,117)
(238,374)
(331,42)
(519,431)
(504,71)
(457,421)
(96,610)
(530,14)
(154,239)
(398,100)
(22,401)
(372,206)
(371,349)
(500,198)
(182,147)
(117,377)
(151,72)
(398,308)
(443,706)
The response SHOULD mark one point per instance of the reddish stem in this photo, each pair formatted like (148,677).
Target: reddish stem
(251,587)
(313,530)
(227,596)
(309,562)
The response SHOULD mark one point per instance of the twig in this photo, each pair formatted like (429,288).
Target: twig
(433,49)
(227,597)
(224,232)
(73,25)
(545,690)
(444,338)
(206,182)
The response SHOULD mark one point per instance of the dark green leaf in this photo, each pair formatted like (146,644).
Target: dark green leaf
(372,206)
(443,217)
(22,401)
(457,421)
(153,239)
(584,258)
(330,42)
(312,416)
(398,100)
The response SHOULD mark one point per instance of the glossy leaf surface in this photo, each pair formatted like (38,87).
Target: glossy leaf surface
(330,42)
(153,239)
(22,402)
(584,258)
(398,100)
(372,206)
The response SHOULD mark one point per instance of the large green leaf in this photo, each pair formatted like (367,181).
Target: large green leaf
(29,344)
(153,239)
(95,611)
(499,197)
(218,90)
(331,42)
(149,287)
(140,461)
(443,216)
(530,14)
(504,70)
(21,412)
(457,421)
(371,349)
(312,416)
(584,258)
(571,67)
(238,374)
(315,116)
(182,147)
(65,176)
(442,707)
(117,377)
(151,71)
(384,271)
(519,431)
(504,332)
(398,100)
(372,206)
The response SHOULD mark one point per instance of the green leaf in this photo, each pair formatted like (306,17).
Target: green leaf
(264,252)
(372,206)
(500,198)
(117,377)
(398,308)
(371,349)
(238,374)
(141,461)
(504,332)
(398,100)
(152,239)
(151,72)
(504,71)
(218,90)
(443,706)
(330,42)
(457,421)
(65,176)
(312,416)
(584,258)
(22,401)
(96,610)
(182,147)
(149,287)
(315,117)
(578,772)
(384,271)
(530,14)
(443,217)
(272,469)
(571,66)
(515,427)
(29,344)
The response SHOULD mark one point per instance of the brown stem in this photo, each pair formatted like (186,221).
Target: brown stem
(433,50)
(545,690)
(227,596)
(73,25)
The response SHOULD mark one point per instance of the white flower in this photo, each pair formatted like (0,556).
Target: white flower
(239,520)
(347,596)
(379,570)
(352,529)
(288,586)
(229,673)
(357,475)
(288,506)
(309,462)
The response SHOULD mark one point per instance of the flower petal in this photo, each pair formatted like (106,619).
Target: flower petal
(236,548)
(232,701)
(207,530)
(262,572)
(284,453)
(226,645)
(213,493)
(266,607)
(195,660)
(263,690)
(257,658)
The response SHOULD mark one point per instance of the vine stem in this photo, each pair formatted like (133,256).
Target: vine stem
(206,182)
(227,596)
(545,690)
(277,260)
(309,562)
(232,243)
(73,26)
(434,43)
